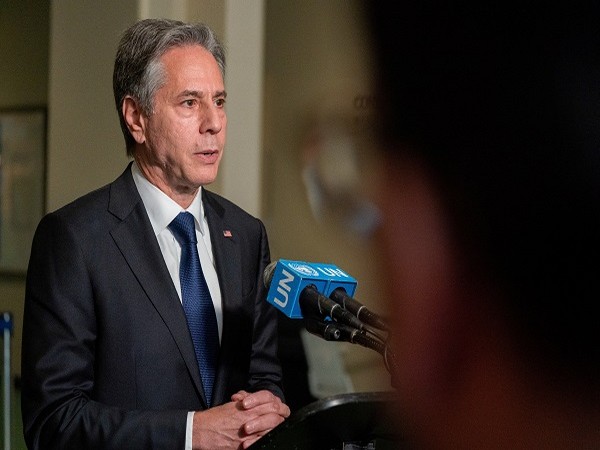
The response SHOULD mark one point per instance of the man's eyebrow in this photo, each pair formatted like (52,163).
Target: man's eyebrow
(192,93)
(200,94)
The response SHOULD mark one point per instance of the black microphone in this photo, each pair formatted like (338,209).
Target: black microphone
(339,295)
(329,280)
(313,302)
(295,289)
(326,329)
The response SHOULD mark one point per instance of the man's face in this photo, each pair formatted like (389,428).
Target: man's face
(184,137)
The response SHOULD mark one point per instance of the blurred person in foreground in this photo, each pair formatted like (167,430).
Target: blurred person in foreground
(491,219)
(108,359)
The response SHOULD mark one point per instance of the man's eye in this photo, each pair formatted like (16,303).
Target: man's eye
(189,103)
(220,102)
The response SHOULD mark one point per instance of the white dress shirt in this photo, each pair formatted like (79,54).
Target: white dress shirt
(162,210)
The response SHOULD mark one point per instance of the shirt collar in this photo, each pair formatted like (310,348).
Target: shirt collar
(160,207)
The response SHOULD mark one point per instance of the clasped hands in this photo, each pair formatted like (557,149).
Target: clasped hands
(239,423)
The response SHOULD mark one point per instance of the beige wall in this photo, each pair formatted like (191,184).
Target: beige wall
(295,59)
(85,145)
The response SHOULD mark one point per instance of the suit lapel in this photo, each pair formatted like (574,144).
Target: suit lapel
(227,261)
(135,238)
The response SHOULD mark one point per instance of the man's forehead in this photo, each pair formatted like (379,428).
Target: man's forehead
(193,69)
(191,52)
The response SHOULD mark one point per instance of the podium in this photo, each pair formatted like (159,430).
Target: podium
(358,421)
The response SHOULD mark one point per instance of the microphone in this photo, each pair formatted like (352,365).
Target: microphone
(326,329)
(295,289)
(312,302)
(339,286)
(339,295)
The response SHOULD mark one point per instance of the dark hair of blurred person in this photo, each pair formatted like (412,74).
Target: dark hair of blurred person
(491,222)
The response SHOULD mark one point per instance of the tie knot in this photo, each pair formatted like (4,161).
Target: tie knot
(183,228)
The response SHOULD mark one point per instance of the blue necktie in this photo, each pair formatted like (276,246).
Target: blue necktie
(196,300)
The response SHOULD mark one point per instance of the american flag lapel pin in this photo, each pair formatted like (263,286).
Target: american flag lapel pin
(227,233)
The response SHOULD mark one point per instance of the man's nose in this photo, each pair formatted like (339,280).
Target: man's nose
(212,120)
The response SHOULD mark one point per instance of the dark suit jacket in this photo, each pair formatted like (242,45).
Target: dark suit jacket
(107,359)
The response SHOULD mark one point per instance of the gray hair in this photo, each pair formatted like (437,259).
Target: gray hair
(138,71)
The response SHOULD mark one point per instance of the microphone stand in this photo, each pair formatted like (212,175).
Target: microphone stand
(331,330)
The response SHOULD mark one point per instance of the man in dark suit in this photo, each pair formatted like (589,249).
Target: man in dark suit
(108,359)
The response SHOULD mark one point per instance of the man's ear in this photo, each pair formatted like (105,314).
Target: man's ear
(135,119)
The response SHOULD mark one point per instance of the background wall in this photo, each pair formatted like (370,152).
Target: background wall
(85,145)
(291,65)
(24,28)
(316,67)
(24,32)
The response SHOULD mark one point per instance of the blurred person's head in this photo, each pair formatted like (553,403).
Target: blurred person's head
(491,218)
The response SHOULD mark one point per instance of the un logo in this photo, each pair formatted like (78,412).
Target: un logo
(304,269)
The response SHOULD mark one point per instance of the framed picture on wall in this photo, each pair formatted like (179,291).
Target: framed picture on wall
(22,184)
